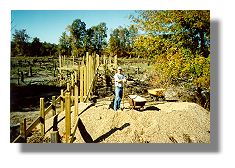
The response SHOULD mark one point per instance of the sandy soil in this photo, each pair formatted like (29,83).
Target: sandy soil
(158,122)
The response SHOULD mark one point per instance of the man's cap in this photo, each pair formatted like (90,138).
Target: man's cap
(119,68)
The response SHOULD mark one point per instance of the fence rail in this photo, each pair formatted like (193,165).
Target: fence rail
(84,76)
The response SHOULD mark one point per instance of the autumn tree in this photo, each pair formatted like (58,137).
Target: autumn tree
(178,42)
(185,29)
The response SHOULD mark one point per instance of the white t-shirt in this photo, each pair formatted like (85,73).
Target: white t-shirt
(117,77)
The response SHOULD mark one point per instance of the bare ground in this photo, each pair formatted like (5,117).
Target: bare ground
(158,122)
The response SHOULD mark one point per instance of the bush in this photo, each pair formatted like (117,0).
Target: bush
(180,67)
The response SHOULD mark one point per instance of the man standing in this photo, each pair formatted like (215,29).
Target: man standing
(119,80)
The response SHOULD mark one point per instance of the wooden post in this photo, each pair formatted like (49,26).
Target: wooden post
(23,129)
(76,97)
(90,75)
(64,62)
(42,116)
(83,60)
(68,87)
(72,88)
(53,106)
(54,137)
(85,80)
(97,60)
(62,100)
(67,116)
(81,83)
(60,64)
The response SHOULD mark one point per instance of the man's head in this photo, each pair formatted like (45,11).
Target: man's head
(119,69)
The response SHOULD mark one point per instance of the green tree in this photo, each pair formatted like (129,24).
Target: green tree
(121,41)
(64,46)
(77,32)
(98,37)
(20,42)
(36,46)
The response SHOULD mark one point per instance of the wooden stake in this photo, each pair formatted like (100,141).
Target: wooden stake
(76,97)
(62,100)
(23,129)
(85,80)
(53,106)
(72,88)
(81,83)
(42,115)
(68,87)
(67,116)
(97,60)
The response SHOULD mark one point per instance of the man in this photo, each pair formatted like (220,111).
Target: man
(119,80)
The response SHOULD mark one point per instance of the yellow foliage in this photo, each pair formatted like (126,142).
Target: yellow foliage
(175,68)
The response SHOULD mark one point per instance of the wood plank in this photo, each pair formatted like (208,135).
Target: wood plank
(33,125)
(48,109)
(18,139)
(58,99)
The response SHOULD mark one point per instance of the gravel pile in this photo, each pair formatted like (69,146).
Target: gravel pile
(165,122)
(171,122)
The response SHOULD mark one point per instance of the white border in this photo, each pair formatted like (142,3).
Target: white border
(220,11)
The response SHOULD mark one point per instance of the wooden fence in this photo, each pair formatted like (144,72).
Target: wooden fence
(84,76)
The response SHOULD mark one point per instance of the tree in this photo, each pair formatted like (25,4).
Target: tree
(178,42)
(121,40)
(64,46)
(189,29)
(36,46)
(20,42)
(98,37)
(77,32)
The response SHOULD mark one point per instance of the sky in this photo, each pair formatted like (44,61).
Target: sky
(48,25)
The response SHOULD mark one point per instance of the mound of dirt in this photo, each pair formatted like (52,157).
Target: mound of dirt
(168,122)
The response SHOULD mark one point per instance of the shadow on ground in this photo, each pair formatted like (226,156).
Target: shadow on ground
(87,137)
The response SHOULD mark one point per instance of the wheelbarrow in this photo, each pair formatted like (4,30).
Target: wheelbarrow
(136,102)
(157,94)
